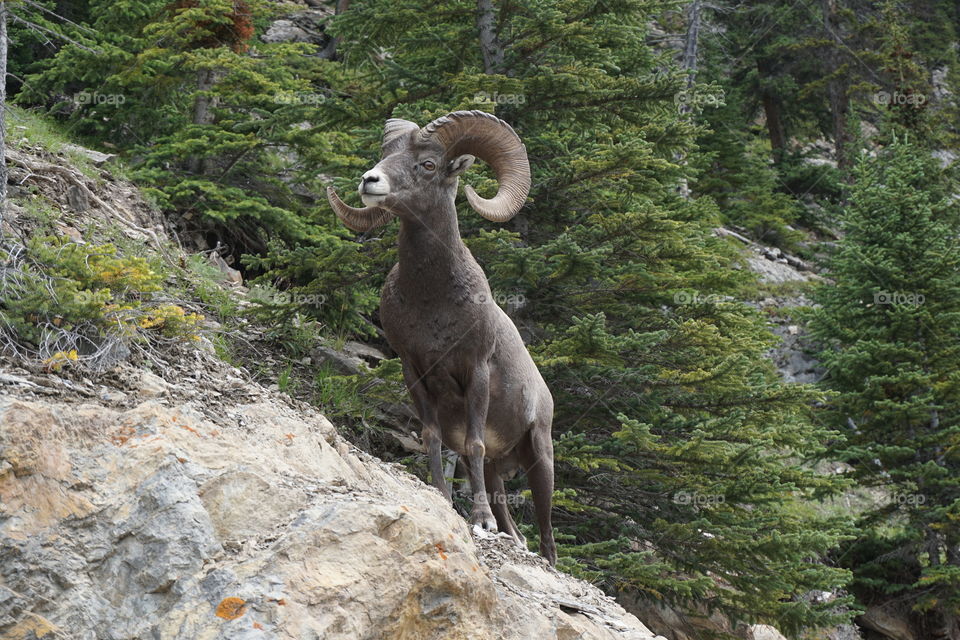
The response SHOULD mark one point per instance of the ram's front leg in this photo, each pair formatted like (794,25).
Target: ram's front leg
(431,428)
(478,398)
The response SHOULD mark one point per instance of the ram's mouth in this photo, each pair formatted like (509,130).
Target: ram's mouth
(372,199)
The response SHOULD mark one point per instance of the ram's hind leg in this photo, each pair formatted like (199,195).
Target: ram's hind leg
(536,457)
(498,498)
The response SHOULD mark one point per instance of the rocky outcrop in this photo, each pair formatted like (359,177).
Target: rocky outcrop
(794,356)
(771,264)
(887,622)
(775,267)
(203,506)
(301,26)
(304,25)
(677,625)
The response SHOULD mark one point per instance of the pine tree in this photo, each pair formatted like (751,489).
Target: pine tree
(211,120)
(174,86)
(680,454)
(889,324)
(769,99)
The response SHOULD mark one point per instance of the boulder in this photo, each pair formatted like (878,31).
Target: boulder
(187,516)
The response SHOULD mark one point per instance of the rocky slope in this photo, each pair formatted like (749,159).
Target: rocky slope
(189,502)
(201,505)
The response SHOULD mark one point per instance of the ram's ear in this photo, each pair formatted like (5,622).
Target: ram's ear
(460,164)
(395,129)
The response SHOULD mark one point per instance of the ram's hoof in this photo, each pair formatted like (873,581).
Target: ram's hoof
(485,521)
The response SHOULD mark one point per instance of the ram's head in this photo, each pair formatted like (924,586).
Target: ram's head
(420,167)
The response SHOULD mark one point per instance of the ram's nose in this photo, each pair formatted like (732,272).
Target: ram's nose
(373,183)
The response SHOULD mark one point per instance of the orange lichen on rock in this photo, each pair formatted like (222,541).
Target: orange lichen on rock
(441,550)
(231,608)
(191,430)
(257,625)
(32,626)
(121,437)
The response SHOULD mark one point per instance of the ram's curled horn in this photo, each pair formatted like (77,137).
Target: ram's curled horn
(362,219)
(496,143)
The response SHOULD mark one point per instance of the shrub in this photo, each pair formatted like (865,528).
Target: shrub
(63,302)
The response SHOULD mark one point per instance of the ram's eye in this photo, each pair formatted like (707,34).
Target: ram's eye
(429,165)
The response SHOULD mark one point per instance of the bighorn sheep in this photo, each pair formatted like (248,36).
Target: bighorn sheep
(472,380)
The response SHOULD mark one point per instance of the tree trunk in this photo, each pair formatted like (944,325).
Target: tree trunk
(3,116)
(692,41)
(689,63)
(772,111)
(489,44)
(837,87)
(330,51)
(203,115)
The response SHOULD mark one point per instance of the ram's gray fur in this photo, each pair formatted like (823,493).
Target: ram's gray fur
(474,384)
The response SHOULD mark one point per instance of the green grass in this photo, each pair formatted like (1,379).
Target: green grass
(39,213)
(286,382)
(26,126)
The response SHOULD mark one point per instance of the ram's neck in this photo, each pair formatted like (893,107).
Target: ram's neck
(433,258)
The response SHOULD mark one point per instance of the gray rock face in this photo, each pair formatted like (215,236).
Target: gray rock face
(772,272)
(96,157)
(302,26)
(194,515)
(771,264)
(794,355)
(887,622)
